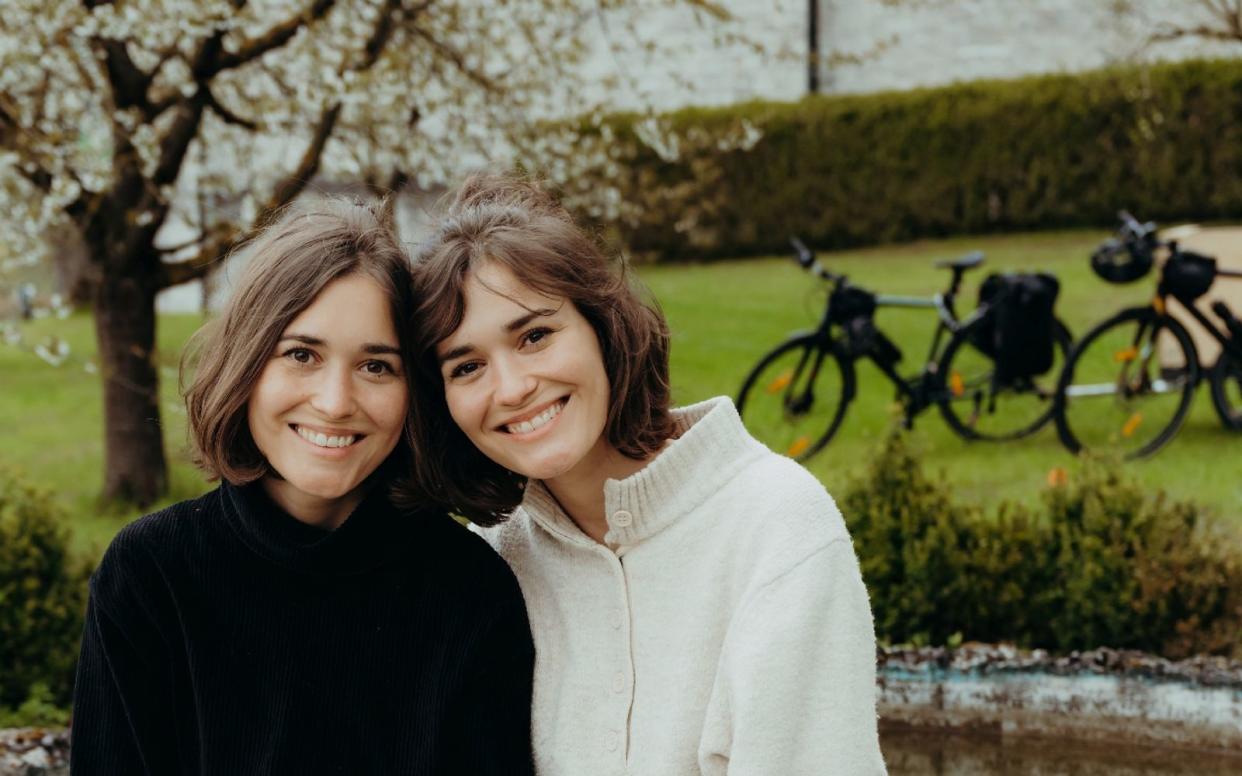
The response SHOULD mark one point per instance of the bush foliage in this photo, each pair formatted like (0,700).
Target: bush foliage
(1037,152)
(43,592)
(1104,564)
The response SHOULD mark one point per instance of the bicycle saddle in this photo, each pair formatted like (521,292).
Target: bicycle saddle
(963,262)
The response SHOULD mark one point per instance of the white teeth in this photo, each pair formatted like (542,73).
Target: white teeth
(323,440)
(527,426)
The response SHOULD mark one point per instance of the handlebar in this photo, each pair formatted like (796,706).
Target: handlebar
(806,259)
(1132,231)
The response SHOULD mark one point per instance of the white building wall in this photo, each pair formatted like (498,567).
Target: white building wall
(893,44)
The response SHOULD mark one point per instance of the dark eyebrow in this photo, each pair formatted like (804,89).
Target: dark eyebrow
(371,348)
(518,323)
(511,326)
(456,352)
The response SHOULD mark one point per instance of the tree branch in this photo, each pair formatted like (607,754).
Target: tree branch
(13,136)
(293,184)
(177,140)
(228,116)
(215,247)
(1226,24)
(274,38)
(455,57)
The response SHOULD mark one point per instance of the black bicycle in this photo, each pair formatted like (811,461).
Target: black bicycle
(795,398)
(1128,385)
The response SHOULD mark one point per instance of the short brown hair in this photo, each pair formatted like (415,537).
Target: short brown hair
(290,263)
(518,224)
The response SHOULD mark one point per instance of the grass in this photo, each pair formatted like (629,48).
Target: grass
(724,316)
(51,418)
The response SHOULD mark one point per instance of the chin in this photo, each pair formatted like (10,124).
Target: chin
(546,468)
(326,490)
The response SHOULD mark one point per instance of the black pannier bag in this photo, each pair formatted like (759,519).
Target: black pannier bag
(983,336)
(1018,327)
(1188,276)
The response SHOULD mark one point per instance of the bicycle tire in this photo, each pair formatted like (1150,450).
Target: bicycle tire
(1120,358)
(808,396)
(967,401)
(1226,383)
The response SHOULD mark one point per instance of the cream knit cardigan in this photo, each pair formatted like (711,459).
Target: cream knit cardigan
(724,629)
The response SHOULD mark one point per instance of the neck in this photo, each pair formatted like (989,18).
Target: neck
(324,513)
(580,491)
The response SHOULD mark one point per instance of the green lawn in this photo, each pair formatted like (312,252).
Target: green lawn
(723,315)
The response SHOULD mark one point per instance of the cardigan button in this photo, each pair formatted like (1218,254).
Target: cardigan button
(622,519)
(613,740)
(618,682)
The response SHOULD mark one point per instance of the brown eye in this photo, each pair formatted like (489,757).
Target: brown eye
(536,336)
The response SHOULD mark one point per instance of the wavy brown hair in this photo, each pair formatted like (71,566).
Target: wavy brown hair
(291,262)
(515,222)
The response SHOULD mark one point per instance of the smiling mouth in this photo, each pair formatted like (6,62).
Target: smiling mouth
(320,439)
(538,421)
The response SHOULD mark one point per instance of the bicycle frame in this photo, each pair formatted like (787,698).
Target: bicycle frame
(1226,340)
(915,390)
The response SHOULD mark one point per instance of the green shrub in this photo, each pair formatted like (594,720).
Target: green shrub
(38,710)
(1106,564)
(42,595)
(1138,571)
(847,170)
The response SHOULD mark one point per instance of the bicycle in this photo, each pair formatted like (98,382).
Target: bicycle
(1119,392)
(794,401)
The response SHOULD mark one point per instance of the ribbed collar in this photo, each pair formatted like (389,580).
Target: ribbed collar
(368,538)
(711,445)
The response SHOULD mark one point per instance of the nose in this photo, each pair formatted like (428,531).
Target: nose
(333,395)
(514,385)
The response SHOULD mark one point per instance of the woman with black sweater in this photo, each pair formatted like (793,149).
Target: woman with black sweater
(296,619)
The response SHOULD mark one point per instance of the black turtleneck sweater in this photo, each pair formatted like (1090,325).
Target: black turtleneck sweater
(225,637)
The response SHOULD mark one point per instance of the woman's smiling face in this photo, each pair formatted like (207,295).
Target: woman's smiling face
(524,377)
(330,404)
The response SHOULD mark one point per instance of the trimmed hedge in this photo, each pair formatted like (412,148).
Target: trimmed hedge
(1031,153)
(1104,564)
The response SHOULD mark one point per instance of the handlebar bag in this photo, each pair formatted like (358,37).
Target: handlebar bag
(1023,327)
(850,302)
(1188,276)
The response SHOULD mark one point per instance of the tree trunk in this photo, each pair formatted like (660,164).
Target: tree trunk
(134,466)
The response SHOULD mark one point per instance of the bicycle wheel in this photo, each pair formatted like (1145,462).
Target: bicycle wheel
(1226,381)
(795,397)
(976,409)
(1116,395)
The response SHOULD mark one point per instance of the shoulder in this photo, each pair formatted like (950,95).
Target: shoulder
(508,536)
(133,559)
(789,499)
(466,556)
(773,515)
